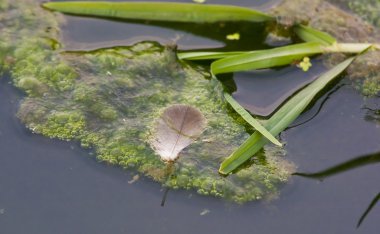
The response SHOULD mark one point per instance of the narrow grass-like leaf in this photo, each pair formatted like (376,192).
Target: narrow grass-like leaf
(162,11)
(252,121)
(326,48)
(373,203)
(309,34)
(282,118)
(266,58)
(207,55)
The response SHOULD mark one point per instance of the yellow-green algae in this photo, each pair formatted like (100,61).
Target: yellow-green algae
(109,99)
(346,27)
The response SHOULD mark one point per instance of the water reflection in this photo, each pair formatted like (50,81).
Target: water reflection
(372,107)
(319,105)
(346,166)
(368,210)
(343,167)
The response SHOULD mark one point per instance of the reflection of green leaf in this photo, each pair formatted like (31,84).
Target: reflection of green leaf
(349,165)
(282,118)
(374,201)
(346,166)
(309,34)
(266,59)
(162,11)
(252,121)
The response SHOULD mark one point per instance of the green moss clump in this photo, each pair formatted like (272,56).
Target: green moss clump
(369,10)
(109,99)
(346,27)
(65,125)
(32,86)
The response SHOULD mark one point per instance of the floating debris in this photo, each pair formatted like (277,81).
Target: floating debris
(134,179)
(204,212)
(305,64)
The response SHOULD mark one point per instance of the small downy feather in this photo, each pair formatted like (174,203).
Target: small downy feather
(178,127)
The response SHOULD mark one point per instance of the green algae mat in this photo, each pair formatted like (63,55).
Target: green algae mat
(111,99)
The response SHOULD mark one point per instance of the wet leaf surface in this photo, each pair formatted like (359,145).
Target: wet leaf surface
(178,127)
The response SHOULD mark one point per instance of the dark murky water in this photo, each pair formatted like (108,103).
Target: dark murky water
(49,186)
(262,92)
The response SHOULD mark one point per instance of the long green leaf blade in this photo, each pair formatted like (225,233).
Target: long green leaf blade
(309,34)
(207,55)
(282,118)
(162,11)
(266,58)
(252,121)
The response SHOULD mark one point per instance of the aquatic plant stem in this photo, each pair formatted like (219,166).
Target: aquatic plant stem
(354,48)
(169,170)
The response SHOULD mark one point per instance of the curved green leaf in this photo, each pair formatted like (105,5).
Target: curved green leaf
(309,34)
(162,11)
(252,121)
(266,58)
(282,118)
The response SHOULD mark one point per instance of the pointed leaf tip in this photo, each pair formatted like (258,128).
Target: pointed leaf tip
(250,120)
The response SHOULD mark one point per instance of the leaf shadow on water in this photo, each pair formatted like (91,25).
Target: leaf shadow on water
(355,163)
(252,35)
(320,106)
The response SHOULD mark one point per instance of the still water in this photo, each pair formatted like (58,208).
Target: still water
(49,186)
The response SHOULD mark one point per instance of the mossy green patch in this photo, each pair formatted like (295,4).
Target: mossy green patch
(346,27)
(369,10)
(109,99)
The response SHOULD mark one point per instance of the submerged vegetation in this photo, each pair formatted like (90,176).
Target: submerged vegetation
(120,100)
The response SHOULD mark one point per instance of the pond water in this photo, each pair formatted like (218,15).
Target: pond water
(51,186)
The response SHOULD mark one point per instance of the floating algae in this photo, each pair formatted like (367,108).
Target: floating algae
(109,99)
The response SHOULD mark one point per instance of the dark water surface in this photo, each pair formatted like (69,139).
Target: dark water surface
(49,186)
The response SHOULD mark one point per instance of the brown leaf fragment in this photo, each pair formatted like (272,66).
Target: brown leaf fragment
(178,127)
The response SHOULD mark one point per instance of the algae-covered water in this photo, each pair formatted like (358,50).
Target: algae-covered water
(52,186)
